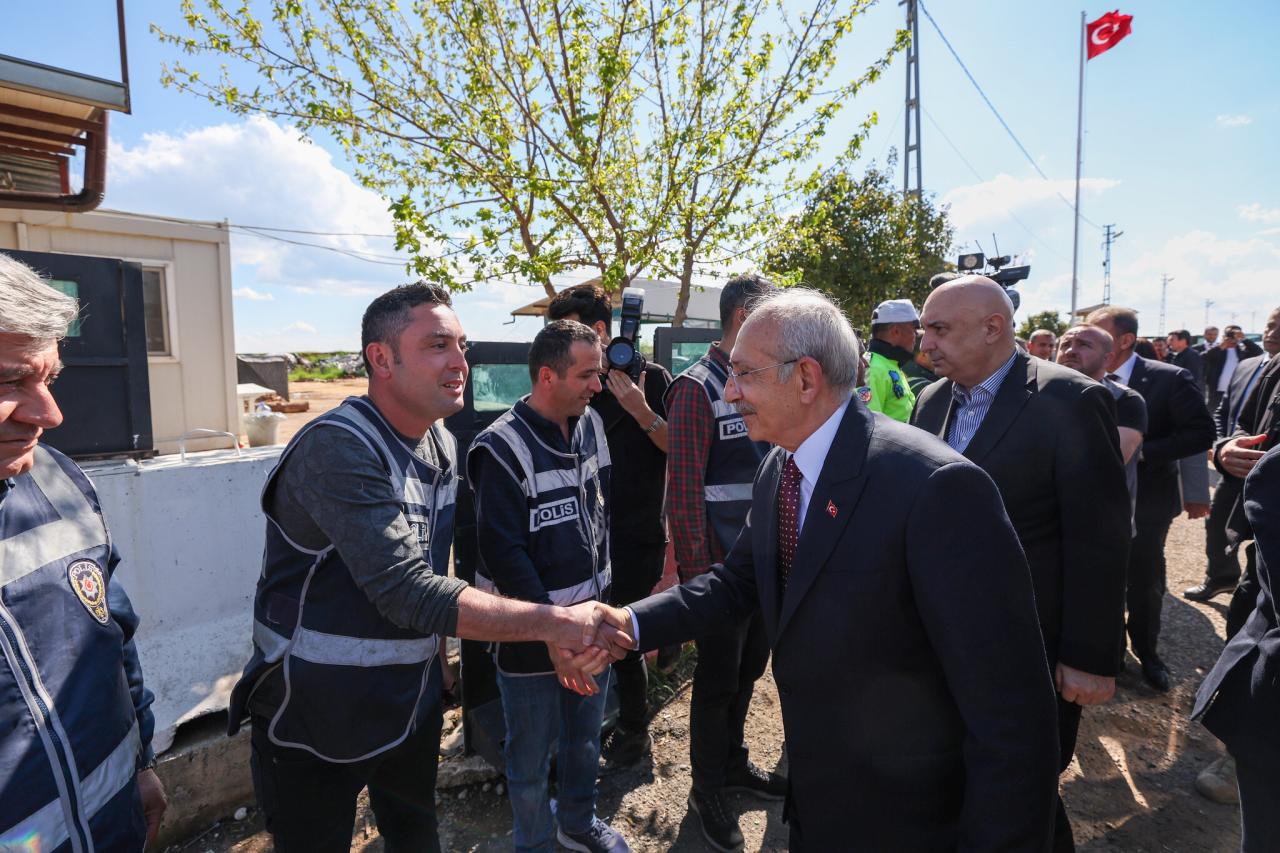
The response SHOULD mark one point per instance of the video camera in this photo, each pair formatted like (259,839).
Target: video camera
(1001,273)
(623,352)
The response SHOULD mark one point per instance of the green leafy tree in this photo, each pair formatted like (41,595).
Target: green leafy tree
(528,137)
(1050,320)
(861,241)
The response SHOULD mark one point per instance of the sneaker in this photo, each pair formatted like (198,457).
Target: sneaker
(599,838)
(760,783)
(719,825)
(624,749)
(1217,782)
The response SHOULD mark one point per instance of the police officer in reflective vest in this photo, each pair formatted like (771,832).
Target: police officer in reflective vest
(75,717)
(893,342)
(344,685)
(541,475)
(711,464)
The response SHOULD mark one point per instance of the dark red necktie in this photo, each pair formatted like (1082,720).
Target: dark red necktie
(788,519)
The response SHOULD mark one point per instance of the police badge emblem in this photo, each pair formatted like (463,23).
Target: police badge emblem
(87,581)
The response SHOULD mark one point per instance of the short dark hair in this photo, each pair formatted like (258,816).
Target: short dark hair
(739,292)
(387,317)
(1233,329)
(588,301)
(1124,319)
(552,346)
(1144,348)
(1208,329)
(1181,334)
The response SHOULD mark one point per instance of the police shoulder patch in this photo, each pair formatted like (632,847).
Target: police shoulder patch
(90,587)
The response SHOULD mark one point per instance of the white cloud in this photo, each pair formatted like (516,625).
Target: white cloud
(1228,120)
(1257,213)
(979,205)
(300,326)
(252,295)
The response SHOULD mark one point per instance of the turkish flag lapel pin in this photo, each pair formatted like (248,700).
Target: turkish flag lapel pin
(831,509)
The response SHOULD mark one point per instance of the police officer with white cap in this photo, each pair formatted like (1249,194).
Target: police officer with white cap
(893,341)
(75,717)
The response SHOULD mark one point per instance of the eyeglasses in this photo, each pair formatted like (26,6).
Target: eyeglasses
(735,376)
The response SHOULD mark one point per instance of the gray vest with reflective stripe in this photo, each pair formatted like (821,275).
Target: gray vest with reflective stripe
(733,459)
(356,684)
(567,515)
(69,738)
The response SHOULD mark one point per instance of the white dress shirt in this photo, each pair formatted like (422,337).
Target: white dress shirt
(1125,371)
(1228,369)
(810,456)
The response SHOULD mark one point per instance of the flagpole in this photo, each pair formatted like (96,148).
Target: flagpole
(1075,237)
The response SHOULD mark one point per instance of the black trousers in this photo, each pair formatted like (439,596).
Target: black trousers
(1146,580)
(1222,567)
(310,804)
(1068,729)
(1259,793)
(636,571)
(729,664)
(1245,598)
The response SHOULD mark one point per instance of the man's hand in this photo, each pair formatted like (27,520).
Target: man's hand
(630,395)
(1196,510)
(593,624)
(1236,456)
(1081,687)
(574,671)
(154,801)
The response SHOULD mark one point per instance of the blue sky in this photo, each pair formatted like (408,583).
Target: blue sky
(1180,123)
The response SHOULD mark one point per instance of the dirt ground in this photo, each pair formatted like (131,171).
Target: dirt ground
(322,396)
(1130,787)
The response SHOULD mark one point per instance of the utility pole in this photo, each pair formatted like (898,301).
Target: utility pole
(1109,237)
(1164,293)
(1208,303)
(911,114)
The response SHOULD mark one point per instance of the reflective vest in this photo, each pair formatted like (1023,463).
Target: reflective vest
(69,734)
(733,459)
(355,683)
(567,514)
(890,388)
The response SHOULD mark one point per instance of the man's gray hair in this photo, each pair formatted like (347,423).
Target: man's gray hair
(811,325)
(29,306)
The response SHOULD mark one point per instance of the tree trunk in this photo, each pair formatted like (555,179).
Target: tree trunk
(682,299)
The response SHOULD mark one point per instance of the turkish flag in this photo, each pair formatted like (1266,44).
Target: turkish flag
(1106,32)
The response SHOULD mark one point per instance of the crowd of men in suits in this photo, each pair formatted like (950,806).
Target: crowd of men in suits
(942,588)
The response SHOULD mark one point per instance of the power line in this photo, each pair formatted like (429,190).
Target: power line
(996,113)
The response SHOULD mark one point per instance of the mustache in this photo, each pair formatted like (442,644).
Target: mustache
(744,409)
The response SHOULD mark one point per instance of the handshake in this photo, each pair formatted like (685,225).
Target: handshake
(584,639)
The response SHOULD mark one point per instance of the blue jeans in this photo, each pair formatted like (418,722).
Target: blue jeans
(539,712)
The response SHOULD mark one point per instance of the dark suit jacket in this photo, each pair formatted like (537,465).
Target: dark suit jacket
(1258,414)
(1234,398)
(1240,697)
(918,709)
(1050,443)
(1190,361)
(1216,357)
(1178,425)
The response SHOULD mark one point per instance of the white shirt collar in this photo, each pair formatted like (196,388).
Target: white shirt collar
(812,452)
(1125,371)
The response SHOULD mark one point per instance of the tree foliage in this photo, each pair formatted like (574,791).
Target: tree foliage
(1050,320)
(861,241)
(529,137)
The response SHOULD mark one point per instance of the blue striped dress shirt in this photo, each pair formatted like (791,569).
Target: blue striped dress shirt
(970,406)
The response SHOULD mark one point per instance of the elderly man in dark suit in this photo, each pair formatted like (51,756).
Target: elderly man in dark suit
(1239,700)
(1178,426)
(1064,486)
(917,705)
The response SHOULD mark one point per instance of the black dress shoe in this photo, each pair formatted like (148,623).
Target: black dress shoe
(719,825)
(756,781)
(1156,674)
(1207,589)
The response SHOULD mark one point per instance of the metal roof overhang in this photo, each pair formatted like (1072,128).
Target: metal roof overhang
(48,117)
